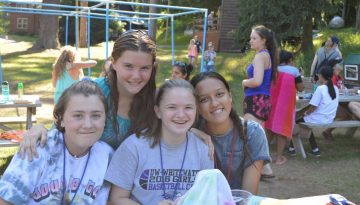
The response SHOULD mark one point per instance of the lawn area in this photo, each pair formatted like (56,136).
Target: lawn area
(336,171)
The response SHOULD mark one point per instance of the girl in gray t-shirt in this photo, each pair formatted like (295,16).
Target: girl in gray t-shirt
(160,165)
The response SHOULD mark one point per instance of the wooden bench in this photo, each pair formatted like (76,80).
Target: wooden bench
(13,120)
(306,125)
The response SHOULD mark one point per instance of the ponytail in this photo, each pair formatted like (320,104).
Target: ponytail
(327,72)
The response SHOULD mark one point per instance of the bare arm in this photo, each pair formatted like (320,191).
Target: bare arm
(313,65)
(28,145)
(310,109)
(260,65)
(120,196)
(83,64)
(53,78)
(251,177)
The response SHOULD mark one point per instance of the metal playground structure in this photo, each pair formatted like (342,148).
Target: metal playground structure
(106,10)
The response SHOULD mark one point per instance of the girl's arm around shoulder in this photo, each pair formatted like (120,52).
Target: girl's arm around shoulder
(202,150)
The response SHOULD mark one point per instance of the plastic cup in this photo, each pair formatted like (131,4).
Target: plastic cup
(241,197)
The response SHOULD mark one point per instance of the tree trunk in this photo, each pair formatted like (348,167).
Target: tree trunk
(358,17)
(83,28)
(49,29)
(307,43)
(153,22)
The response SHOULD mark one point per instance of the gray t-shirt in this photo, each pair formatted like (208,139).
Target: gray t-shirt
(136,167)
(257,146)
(330,54)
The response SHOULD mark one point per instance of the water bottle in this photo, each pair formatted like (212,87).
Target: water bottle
(20,90)
(5,92)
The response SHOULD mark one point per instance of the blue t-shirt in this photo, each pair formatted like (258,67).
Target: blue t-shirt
(257,146)
(109,135)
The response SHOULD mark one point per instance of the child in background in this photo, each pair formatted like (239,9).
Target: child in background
(192,52)
(323,106)
(210,56)
(72,165)
(198,47)
(160,165)
(67,69)
(181,70)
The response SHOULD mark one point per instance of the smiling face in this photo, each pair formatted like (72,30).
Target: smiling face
(84,121)
(215,101)
(256,42)
(177,111)
(133,71)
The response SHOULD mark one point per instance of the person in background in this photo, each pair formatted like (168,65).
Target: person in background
(210,20)
(192,52)
(181,70)
(72,165)
(261,72)
(198,47)
(161,164)
(241,148)
(67,69)
(210,56)
(323,106)
(324,54)
(283,103)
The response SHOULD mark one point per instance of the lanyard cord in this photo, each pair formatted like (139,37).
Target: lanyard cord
(180,173)
(82,176)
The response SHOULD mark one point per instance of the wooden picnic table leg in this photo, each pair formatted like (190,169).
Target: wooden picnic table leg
(29,112)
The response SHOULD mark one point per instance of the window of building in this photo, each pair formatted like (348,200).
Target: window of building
(22,23)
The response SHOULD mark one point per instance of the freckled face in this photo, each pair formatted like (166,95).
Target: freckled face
(133,71)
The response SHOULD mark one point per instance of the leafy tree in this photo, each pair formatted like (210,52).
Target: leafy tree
(286,18)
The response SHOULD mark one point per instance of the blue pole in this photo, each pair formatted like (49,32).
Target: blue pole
(172,41)
(1,79)
(149,29)
(88,41)
(107,31)
(76,31)
(203,41)
(66,30)
(130,26)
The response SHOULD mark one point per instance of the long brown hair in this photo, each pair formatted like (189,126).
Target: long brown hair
(68,55)
(154,130)
(141,112)
(271,46)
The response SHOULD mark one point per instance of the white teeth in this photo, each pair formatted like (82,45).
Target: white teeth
(217,111)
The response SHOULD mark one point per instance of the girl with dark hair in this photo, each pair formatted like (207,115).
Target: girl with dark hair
(261,72)
(181,70)
(72,165)
(241,147)
(283,101)
(151,169)
(323,106)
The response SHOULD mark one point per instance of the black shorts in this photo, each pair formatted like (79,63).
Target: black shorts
(258,105)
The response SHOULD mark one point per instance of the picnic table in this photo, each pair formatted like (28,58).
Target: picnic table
(351,123)
(30,102)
